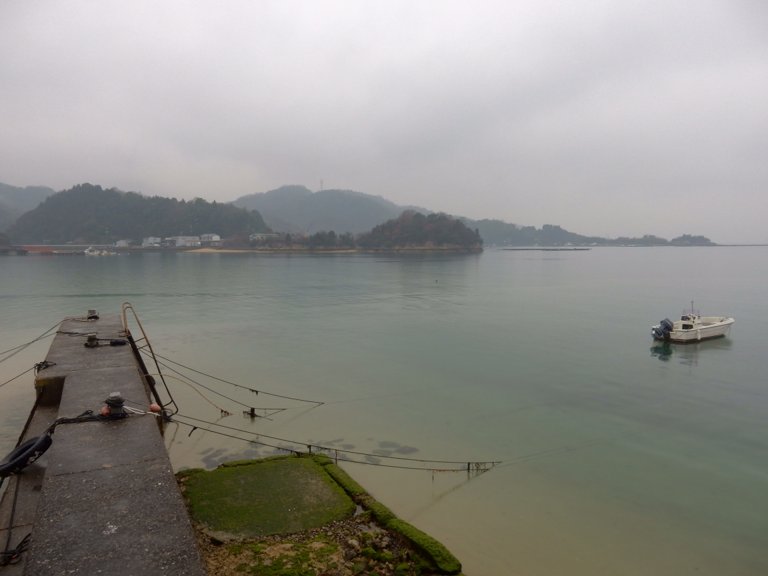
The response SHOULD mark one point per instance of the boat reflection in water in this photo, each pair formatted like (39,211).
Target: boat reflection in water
(662,351)
(687,353)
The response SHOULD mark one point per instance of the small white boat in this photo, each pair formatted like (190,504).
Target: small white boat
(692,327)
(91,251)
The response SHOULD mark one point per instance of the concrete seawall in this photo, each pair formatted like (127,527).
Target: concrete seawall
(103,499)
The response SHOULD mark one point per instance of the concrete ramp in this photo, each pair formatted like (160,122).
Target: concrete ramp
(104,499)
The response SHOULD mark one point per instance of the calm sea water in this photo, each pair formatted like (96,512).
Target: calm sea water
(618,457)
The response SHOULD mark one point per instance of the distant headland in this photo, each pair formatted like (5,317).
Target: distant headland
(290,218)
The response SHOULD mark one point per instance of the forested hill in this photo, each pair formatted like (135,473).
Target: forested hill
(14,201)
(413,230)
(297,209)
(88,214)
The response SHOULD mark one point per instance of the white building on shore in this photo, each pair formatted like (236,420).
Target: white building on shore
(151,242)
(213,240)
(182,242)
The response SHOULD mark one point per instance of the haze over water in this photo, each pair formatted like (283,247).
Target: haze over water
(617,456)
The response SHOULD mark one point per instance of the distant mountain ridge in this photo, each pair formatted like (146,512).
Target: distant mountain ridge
(296,209)
(503,233)
(15,201)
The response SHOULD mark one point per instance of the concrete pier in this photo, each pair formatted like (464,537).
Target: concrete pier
(104,498)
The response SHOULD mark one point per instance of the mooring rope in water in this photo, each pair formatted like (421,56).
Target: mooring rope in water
(196,391)
(199,424)
(16,349)
(307,449)
(52,331)
(254,390)
(17,376)
(192,383)
(549,453)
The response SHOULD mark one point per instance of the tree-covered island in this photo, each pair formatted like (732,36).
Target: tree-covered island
(410,232)
(415,231)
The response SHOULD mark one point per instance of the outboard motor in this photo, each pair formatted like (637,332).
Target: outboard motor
(661,332)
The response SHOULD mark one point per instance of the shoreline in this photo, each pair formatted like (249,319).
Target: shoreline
(330,251)
(71,250)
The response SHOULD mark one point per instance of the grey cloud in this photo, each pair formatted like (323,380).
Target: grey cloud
(604,117)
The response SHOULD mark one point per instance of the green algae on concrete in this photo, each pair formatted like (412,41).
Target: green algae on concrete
(286,495)
(437,554)
(256,498)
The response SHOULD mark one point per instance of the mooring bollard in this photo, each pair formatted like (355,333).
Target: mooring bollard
(115,403)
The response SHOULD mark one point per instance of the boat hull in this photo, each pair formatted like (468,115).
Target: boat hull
(704,328)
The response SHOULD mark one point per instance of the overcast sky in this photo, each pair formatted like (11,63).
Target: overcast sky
(607,117)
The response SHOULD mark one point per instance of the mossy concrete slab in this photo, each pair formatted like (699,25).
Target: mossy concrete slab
(264,497)
(297,503)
